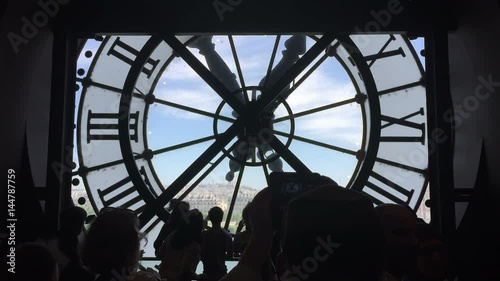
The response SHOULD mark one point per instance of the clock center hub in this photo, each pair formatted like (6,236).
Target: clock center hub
(257,127)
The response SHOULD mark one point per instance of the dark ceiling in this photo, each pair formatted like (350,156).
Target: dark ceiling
(255,16)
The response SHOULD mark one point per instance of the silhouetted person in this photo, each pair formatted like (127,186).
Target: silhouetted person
(181,249)
(179,210)
(111,247)
(35,262)
(399,224)
(432,255)
(70,235)
(216,247)
(241,238)
(330,233)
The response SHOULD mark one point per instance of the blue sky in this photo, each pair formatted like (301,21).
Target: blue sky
(168,126)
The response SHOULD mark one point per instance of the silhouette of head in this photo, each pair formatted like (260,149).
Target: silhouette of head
(216,214)
(189,230)
(35,262)
(112,242)
(179,213)
(399,224)
(172,204)
(72,220)
(331,233)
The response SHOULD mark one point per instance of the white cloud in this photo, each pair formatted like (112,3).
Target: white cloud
(202,99)
(252,63)
(179,70)
(344,123)
(334,127)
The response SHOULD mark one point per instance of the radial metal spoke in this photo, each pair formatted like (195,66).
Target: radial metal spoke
(188,174)
(273,92)
(264,167)
(401,166)
(153,225)
(207,172)
(235,194)
(315,110)
(313,142)
(271,62)
(284,152)
(238,67)
(194,110)
(106,165)
(107,87)
(402,87)
(182,145)
(204,73)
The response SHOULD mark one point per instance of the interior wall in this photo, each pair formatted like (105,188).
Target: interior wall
(25,76)
(475,87)
(26,63)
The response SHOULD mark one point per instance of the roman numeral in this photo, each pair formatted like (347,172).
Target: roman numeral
(371,59)
(148,227)
(146,180)
(123,52)
(107,126)
(117,192)
(389,190)
(405,123)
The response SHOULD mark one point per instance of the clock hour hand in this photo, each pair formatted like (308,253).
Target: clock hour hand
(295,46)
(217,65)
(220,69)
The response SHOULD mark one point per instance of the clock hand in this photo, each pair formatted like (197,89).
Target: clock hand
(295,46)
(217,65)
(220,69)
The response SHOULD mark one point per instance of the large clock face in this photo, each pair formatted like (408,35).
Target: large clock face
(207,118)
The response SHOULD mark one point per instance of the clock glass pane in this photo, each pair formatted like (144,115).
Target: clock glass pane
(331,115)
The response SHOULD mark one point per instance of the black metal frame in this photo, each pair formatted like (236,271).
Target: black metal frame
(364,170)
(83,170)
(60,151)
(442,210)
(222,140)
(157,205)
(441,160)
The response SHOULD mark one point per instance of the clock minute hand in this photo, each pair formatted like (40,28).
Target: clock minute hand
(220,69)
(295,46)
(217,65)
